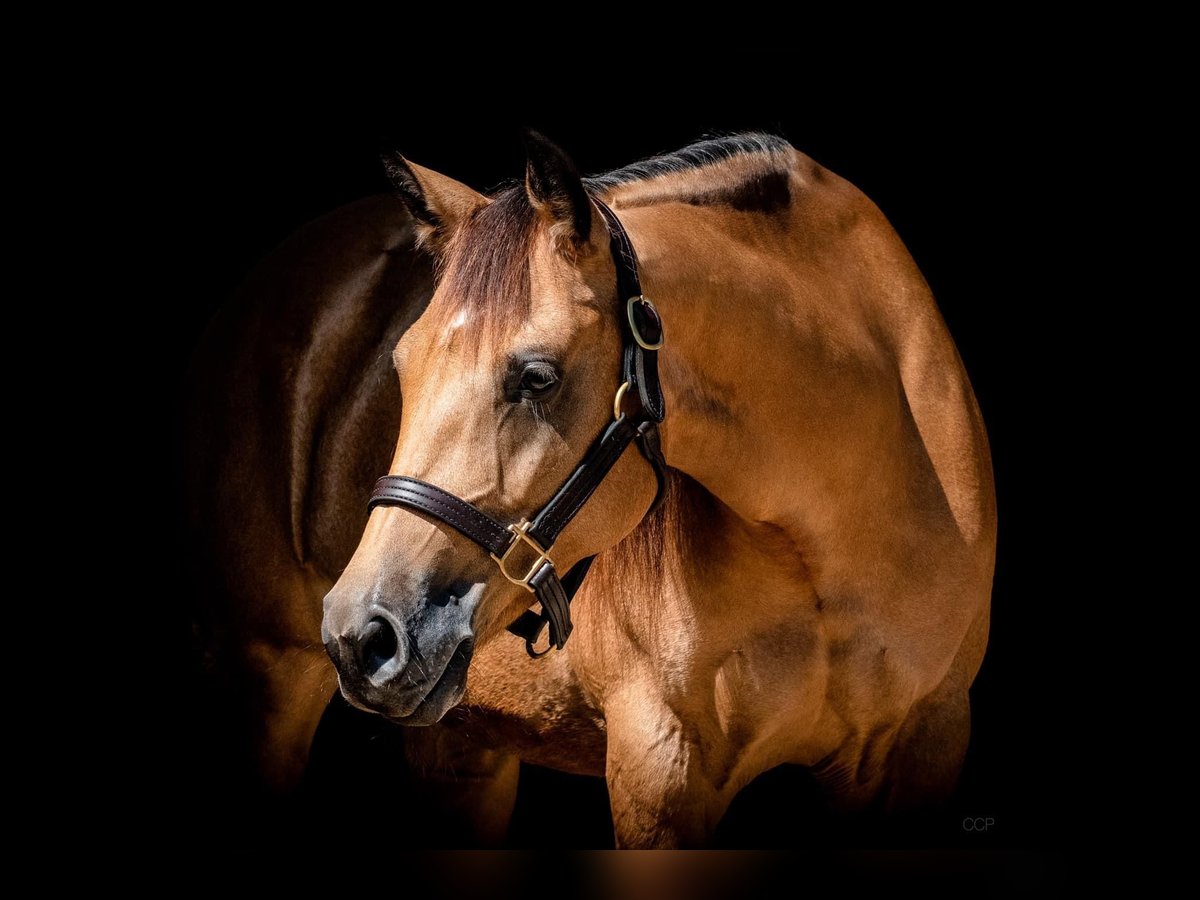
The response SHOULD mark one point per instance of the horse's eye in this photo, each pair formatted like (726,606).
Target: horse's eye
(538,382)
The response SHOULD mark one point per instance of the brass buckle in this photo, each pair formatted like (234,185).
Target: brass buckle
(637,335)
(521,535)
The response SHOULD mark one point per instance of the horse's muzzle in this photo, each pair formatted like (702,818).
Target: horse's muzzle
(412,671)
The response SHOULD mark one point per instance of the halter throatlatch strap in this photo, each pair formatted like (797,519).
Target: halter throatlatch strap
(524,551)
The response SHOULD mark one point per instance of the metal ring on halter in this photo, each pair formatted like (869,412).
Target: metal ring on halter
(617,400)
(633,324)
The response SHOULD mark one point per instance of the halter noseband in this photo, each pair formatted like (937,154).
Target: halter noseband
(643,333)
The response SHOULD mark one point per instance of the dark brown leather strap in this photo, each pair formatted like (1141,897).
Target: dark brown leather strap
(639,365)
(555,605)
(529,625)
(577,489)
(463,517)
(651,447)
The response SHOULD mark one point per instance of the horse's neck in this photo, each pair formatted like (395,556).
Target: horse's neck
(781,397)
(832,443)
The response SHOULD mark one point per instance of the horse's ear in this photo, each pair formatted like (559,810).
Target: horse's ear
(437,203)
(556,190)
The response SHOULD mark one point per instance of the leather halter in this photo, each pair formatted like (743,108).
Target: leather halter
(643,333)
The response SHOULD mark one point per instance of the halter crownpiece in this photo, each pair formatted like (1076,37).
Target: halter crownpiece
(523,551)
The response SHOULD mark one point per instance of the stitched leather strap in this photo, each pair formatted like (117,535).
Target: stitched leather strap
(463,517)
(565,504)
(651,447)
(639,365)
(553,597)
(529,624)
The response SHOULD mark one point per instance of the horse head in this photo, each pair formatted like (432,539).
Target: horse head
(506,378)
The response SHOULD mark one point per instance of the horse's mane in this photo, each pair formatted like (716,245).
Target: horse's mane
(693,156)
(760,182)
(489,259)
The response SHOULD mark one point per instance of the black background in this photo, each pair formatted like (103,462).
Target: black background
(965,187)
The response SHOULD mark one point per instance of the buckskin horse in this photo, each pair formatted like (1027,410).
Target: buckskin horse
(792,564)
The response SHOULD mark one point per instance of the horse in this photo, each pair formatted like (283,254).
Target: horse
(808,581)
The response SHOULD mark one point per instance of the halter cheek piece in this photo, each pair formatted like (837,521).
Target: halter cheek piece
(643,332)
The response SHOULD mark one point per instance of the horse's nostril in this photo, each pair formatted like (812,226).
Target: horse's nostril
(378,645)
